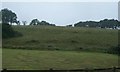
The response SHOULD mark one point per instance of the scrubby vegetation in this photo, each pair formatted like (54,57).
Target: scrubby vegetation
(8,32)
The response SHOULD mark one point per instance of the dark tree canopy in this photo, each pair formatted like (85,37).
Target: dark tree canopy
(8,17)
(43,23)
(68,25)
(111,23)
(18,22)
(37,22)
(34,22)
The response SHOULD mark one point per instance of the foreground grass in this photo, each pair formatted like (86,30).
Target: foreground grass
(33,59)
(0,58)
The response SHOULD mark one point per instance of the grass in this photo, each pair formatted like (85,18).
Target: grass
(0,58)
(63,38)
(34,59)
(44,47)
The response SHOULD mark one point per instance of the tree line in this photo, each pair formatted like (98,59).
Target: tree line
(9,17)
(106,23)
(37,22)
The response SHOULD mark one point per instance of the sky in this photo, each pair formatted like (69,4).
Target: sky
(63,13)
(59,0)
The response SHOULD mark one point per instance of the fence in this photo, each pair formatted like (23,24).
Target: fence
(114,69)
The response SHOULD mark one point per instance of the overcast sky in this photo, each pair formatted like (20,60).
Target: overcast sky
(63,13)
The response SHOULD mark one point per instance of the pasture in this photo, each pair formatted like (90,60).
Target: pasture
(0,58)
(45,47)
(44,60)
(63,38)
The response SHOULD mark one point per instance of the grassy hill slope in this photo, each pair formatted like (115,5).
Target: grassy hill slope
(63,38)
(59,48)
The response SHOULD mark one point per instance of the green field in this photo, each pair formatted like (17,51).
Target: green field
(44,47)
(34,59)
(0,58)
(63,38)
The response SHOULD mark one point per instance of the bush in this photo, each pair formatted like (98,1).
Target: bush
(114,50)
(8,32)
(32,41)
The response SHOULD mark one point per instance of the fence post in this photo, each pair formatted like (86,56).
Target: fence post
(114,69)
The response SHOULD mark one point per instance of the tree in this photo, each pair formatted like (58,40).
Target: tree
(68,25)
(24,22)
(43,23)
(34,22)
(111,23)
(18,22)
(8,17)
(37,22)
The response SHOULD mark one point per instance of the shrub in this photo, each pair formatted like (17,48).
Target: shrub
(8,32)
(114,50)
(32,41)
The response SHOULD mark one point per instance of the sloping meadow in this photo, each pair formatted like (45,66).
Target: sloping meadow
(63,38)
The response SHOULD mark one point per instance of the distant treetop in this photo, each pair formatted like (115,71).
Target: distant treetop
(8,16)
